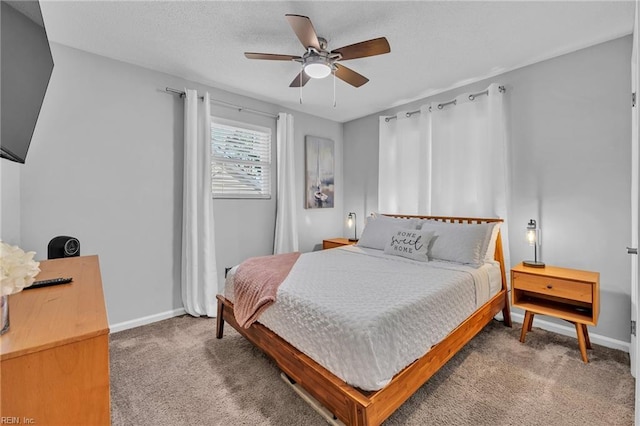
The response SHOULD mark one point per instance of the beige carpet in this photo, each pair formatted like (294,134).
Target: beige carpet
(175,372)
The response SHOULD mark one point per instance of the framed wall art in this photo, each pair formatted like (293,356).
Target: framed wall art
(320,173)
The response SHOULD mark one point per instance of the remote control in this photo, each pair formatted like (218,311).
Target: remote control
(45,283)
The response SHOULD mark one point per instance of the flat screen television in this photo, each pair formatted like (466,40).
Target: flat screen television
(26,66)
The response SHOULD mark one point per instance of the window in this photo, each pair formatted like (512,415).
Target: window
(240,160)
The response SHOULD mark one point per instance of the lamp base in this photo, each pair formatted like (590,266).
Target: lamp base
(533,264)
(353,240)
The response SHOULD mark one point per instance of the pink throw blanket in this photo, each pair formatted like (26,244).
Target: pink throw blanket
(256,283)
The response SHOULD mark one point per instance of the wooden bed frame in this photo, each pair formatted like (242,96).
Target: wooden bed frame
(354,406)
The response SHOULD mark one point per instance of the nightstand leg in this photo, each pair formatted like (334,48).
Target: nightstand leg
(526,325)
(586,335)
(581,342)
(530,323)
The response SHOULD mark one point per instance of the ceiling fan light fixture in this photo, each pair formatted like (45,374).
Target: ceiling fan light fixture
(317,69)
(318,61)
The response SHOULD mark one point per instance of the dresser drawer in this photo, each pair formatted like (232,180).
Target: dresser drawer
(557,287)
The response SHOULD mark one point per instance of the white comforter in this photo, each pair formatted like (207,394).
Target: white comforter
(365,315)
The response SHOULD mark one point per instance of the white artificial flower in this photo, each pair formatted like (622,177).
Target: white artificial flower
(17,269)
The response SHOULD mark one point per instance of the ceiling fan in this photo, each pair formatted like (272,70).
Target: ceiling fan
(317,61)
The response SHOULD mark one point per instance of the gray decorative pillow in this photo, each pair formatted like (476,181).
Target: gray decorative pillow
(378,230)
(409,243)
(459,242)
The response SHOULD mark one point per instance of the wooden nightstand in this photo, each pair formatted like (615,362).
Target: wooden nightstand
(568,294)
(336,242)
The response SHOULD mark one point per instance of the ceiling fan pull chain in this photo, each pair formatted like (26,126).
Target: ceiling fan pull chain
(334,89)
(301,71)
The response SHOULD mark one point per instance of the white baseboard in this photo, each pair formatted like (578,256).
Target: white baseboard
(146,320)
(571,332)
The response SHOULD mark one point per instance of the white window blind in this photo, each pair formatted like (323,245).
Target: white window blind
(240,160)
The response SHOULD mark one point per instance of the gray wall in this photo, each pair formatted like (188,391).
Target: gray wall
(10,202)
(105,166)
(570,134)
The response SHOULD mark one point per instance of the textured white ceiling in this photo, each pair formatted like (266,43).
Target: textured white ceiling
(435,45)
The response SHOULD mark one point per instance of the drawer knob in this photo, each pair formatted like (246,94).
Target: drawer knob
(549,286)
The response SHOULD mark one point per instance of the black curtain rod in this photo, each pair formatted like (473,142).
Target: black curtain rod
(223,103)
(472,97)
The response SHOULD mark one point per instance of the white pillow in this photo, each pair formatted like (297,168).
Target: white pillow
(459,242)
(378,229)
(409,243)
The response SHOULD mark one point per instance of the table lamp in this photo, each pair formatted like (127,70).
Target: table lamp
(351,221)
(533,238)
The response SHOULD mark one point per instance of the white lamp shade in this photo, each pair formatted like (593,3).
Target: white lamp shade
(317,70)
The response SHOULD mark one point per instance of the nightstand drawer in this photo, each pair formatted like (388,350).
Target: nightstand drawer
(566,289)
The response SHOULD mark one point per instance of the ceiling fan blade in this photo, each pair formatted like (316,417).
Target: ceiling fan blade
(296,81)
(350,76)
(271,56)
(377,46)
(303,28)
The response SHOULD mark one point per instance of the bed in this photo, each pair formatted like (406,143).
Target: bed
(369,380)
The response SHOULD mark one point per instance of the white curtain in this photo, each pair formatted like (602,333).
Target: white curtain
(199,272)
(403,175)
(448,160)
(469,167)
(286,237)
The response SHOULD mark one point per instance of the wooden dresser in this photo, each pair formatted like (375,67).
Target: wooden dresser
(54,365)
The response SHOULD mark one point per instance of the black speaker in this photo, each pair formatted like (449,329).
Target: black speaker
(63,247)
